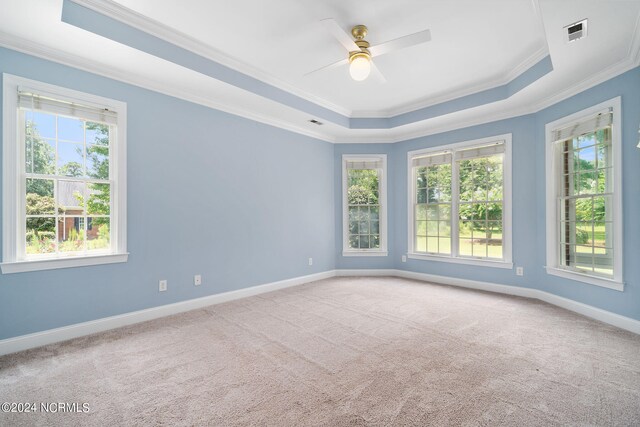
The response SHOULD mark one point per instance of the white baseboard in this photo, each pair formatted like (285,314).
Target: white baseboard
(24,342)
(617,320)
(366,273)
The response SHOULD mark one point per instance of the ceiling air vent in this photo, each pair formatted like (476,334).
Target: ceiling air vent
(576,31)
(315,122)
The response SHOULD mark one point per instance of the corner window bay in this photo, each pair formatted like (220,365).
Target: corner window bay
(459,202)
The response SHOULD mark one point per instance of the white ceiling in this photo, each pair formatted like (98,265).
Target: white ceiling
(475,45)
(285,39)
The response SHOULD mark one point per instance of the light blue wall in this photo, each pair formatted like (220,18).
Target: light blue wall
(528,200)
(626,303)
(237,201)
(249,203)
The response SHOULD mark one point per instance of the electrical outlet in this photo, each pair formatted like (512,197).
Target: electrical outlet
(310,261)
(404,258)
(197,280)
(162,285)
(519,271)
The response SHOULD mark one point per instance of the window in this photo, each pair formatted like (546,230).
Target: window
(364,205)
(460,202)
(64,177)
(584,227)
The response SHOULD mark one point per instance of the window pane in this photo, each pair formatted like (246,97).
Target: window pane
(587,159)
(40,155)
(421,244)
(432,228)
(422,195)
(432,212)
(465,229)
(444,245)
(421,178)
(602,236)
(71,197)
(70,129)
(364,242)
(494,211)
(97,133)
(466,186)
(39,197)
(602,151)
(353,227)
(421,212)
(40,124)
(374,227)
(583,209)
(465,211)
(444,228)
(98,236)
(464,247)
(70,234)
(494,249)
(70,159)
(363,227)
(354,242)
(421,228)
(98,162)
(353,214)
(374,213)
(98,199)
(432,244)
(41,235)
(584,140)
(444,212)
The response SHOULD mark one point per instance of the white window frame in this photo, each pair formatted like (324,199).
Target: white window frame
(382,198)
(13,180)
(506,262)
(552,232)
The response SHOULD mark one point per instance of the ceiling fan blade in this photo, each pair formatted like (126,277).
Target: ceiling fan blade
(401,43)
(375,72)
(341,35)
(330,66)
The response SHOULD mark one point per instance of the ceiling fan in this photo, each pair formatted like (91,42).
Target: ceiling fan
(361,53)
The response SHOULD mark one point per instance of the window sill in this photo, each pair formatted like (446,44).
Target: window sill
(586,278)
(55,263)
(468,261)
(365,253)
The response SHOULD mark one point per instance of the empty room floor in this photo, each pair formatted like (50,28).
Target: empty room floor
(341,352)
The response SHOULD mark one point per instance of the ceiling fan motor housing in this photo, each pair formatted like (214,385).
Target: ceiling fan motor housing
(359,32)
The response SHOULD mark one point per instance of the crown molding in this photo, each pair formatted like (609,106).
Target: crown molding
(634,47)
(591,81)
(55,55)
(35,49)
(594,80)
(136,20)
(523,66)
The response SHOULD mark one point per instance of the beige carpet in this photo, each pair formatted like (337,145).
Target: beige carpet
(342,352)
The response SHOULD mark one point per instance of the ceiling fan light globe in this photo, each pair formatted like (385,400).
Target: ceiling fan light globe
(360,68)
